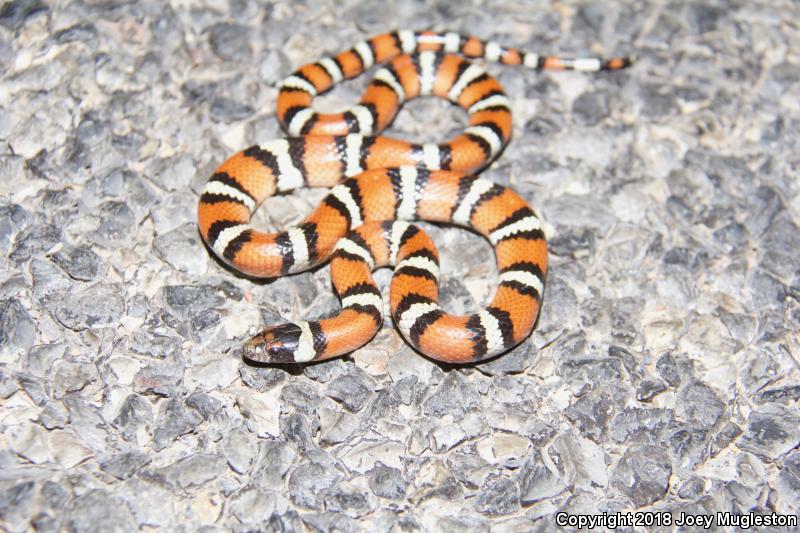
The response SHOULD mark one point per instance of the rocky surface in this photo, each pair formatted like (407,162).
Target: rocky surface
(663,374)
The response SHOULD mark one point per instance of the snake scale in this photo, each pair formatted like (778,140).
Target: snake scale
(378,184)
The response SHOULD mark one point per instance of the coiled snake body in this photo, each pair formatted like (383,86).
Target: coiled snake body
(378,184)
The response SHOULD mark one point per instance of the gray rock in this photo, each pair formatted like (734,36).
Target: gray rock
(13,286)
(642,474)
(49,280)
(230,110)
(322,373)
(8,385)
(300,398)
(386,481)
(592,369)
(196,92)
(54,416)
(87,422)
(351,390)
(194,471)
(537,483)
(94,307)
(781,244)
(134,413)
(732,236)
(72,377)
(252,505)
(331,522)
(591,412)
(17,503)
(273,461)
(178,248)
(639,425)
(649,388)
(45,523)
(149,501)
(544,126)
(785,394)
(116,221)
(469,468)
(441,485)
(85,32)
(574,242)
(771,328)
(631,363)
(56,494)
(668,369)
(17,329)
(57,498)
(704,17)
(204,404)
(404,389)
(465,522)
(37,389)
(262,379)
(187,301)
(766,208)
(500,496)
(698,403)
(771,431)
(679,209)
(98,510)
(349,500)
(454,395)
(688,446)
(80,262)
(788,481)
(729,433)
(590,108)
(515,361)
(446,437)
(161,379)
(289,521)
(385,404)
(240,450)
(336,426)
(592,15)
(176,419)
(295,428)
(124,465)
(308,482)
(657,102)
(231,42)
(539,431)
(13,218)
(692,488)
(15,14)
(153,344)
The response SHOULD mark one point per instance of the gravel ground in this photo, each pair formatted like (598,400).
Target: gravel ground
(663,374)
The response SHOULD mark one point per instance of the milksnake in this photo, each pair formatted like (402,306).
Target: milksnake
(378,184)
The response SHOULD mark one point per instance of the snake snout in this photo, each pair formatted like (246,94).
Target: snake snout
(274,344)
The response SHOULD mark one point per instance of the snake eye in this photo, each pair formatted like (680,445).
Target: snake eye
(280,352)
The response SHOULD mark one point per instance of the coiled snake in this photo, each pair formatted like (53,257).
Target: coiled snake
(378,184)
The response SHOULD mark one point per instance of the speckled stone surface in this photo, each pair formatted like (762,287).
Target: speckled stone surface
(665,370)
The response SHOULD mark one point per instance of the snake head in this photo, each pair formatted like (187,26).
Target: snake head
(275,344)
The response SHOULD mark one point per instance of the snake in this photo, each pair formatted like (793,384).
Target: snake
(378,186)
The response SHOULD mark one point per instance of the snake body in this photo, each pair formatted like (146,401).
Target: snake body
(378,181)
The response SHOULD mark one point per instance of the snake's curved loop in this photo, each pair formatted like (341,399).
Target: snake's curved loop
(390,179)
